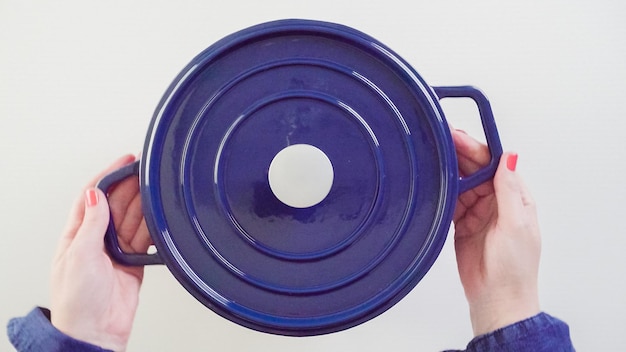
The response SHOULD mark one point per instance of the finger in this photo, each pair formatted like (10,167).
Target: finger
(133,233)
(508,189)
(132,217)
(472,154)
(90,234)
(121,197)
(142,240)
(469,198)
(77,211)
(467,166)
(125,204)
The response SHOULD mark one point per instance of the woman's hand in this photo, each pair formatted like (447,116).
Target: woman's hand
(93,298)
(497,241)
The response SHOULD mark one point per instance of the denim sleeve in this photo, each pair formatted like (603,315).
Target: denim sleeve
(35,333)
(540,333)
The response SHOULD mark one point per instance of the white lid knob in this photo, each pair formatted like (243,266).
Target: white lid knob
(301,175)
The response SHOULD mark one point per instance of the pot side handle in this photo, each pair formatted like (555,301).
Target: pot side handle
(110,238)
(489,127)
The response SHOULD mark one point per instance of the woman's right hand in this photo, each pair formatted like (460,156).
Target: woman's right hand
(497,241)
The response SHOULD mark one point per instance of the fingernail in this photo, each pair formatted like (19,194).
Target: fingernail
(461,131)
(91,197)
(511,161)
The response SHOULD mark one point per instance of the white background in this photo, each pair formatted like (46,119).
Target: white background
(79,81)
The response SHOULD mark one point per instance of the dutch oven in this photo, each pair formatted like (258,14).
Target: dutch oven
(299,177)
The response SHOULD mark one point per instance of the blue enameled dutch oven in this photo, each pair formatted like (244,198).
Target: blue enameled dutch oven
(299,177)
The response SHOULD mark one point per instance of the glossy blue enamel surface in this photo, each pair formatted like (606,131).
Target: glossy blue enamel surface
(298,271)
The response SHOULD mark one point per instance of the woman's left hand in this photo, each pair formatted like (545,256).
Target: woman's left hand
(93,298)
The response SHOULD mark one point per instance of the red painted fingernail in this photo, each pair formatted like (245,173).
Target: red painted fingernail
(91,197)
(511,161)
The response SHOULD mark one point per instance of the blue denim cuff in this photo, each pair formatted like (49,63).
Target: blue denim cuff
(540,333)
(35,333)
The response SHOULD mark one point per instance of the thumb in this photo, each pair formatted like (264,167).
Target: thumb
(95,220)
(508,188)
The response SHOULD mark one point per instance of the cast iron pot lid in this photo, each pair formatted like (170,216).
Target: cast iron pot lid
(299,178)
